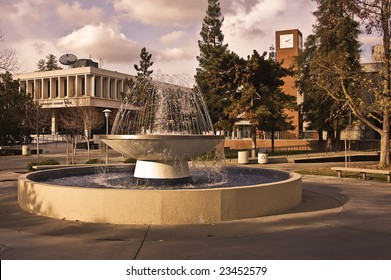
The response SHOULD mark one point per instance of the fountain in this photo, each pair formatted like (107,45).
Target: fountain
(163,127)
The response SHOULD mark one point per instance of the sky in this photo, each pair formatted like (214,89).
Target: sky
(112,32)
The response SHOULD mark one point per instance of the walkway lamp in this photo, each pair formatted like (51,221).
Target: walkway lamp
(107,115)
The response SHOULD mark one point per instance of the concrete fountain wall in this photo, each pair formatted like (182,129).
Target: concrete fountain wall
(155,207)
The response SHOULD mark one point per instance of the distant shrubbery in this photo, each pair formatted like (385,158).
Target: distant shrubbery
(94,161)
(130,160)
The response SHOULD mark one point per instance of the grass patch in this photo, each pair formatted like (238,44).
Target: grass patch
(326,171)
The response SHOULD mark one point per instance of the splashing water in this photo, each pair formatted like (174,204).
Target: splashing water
(152,107)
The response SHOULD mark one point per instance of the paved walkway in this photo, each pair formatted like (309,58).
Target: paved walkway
(338,219)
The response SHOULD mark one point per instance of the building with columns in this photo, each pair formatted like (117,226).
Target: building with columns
(79,86)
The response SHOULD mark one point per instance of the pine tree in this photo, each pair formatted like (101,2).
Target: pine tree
(145,62)
(51,63)
(41,64)
(14,104)
(333,46)
(216,73)
(48,64)
(260,99)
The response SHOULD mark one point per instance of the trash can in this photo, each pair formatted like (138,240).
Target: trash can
(262,156)
(26,150)
(243,157)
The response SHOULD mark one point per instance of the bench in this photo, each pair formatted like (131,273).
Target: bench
(363,172)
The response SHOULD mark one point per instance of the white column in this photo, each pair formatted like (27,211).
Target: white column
(59,90)
(109,88)
(76,86)
(101,87)
(115,89)
(85,85)
(122,87)
(92,81)
(67,81)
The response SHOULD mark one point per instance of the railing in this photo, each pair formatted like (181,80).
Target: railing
(353,134)
(313,148)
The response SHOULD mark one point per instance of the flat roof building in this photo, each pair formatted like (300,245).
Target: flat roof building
(78,86)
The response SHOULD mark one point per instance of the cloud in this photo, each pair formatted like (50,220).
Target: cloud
(24,19)
(171,37)
(100,41)
(162,12)
(250,20)
(75,15)
(251,24)
(173,54)
(31,50)
(39,47)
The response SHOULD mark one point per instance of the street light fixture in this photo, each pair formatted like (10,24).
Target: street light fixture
(107,115)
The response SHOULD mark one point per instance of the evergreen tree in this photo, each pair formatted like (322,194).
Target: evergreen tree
(52,63)
(48,64)
(41,64)
(216,75)
(145,62)
(333,45)
(260,98)
(13,104)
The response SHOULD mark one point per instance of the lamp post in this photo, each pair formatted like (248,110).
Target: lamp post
(107,115)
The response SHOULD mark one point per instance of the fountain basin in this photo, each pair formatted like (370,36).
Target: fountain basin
(162,156)
(156,206)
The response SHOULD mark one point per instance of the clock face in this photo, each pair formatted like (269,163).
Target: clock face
(286,41)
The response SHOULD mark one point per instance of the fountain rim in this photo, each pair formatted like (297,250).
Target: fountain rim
(158,207)
(159,136)
(67,171)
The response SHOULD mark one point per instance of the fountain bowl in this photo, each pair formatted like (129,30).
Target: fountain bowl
(155,206)
(162,156)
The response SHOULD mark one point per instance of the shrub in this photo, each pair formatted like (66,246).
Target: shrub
(94,161)
(130,160)
(44,162)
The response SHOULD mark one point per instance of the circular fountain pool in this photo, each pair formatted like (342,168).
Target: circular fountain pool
(244,193)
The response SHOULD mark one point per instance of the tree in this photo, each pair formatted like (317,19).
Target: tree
(37,118)
(333,45)
(260,98)
(13,104)
(145,62)
(376,14)
(79,120)
(216,75)
(92,119)
(8,59)
(49,64)
(320,111)
(41,64)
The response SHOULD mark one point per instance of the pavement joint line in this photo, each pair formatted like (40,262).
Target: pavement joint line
(142,242)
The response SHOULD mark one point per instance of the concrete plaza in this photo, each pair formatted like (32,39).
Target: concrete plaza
(339,219)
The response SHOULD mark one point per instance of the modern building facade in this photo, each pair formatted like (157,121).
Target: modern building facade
(79,86)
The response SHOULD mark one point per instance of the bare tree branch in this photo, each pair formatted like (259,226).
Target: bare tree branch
(8,59)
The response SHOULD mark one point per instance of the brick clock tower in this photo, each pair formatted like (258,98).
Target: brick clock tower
(288,45)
